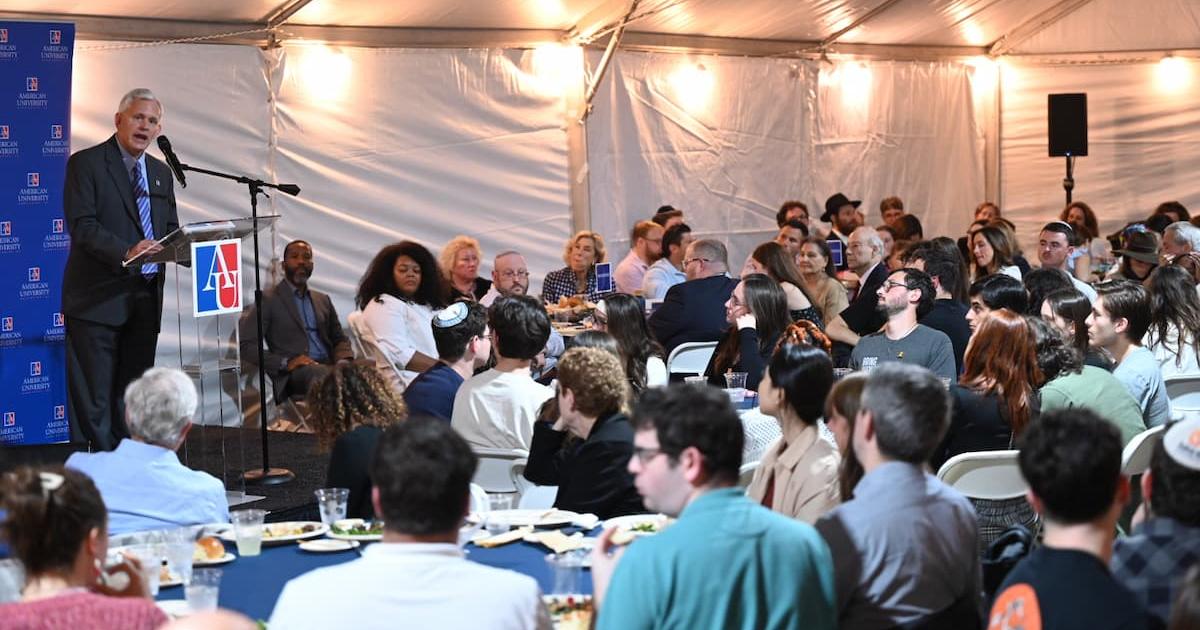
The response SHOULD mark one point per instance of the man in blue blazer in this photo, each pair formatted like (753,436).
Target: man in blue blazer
(695,310)
(118,200)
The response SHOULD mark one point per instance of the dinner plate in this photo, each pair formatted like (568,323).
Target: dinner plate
(318,529)
(355,537)
(175,580)
(536,518)
(327,545)
(225,559)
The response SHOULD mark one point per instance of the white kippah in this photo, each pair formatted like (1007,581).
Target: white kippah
(452,315)
(1182,443)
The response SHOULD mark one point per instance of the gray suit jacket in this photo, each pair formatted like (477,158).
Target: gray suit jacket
(102,218)
(283,328)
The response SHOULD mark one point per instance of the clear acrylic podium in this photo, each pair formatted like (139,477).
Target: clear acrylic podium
(208,352)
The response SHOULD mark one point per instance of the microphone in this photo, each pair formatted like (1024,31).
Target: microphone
(165,146)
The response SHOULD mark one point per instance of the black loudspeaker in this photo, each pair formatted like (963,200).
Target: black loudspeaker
(1067,124)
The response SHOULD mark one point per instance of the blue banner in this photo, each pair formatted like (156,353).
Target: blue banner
(35,118)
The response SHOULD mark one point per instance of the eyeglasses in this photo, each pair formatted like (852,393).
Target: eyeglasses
(688,261)
(644,455)
(510,274)
(888,285)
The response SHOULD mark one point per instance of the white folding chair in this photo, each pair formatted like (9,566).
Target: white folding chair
(691,357)
(498,470)
(538,498)
(746,474)
(1184,392)
(479,500)
(1135,458)
(989,475)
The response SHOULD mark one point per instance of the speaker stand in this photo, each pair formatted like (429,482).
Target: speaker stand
(1069,181)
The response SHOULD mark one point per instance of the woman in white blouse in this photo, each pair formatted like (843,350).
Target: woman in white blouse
(397,296)
(621,316)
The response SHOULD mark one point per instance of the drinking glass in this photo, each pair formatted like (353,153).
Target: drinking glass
(150,557)
(568,569)
(495,523)
(248,528)
(179,559)
(331,502)
(203,591)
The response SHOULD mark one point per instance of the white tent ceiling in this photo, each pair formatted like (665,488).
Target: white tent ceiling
(957,26)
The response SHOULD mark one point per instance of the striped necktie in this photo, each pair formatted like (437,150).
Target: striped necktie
(142,193)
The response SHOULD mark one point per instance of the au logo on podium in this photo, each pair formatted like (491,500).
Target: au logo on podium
(216,277)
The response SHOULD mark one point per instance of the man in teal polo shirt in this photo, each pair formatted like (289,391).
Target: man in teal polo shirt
(727,562)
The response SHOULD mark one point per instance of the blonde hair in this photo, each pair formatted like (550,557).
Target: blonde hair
(597,245)
(596,378)
(450,252)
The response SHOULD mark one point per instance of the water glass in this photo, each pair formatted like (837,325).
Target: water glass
(150,557)
(735,380)
(248,528)
(331,502)
(568,571)
(203,591)
(179,559)
(496,523)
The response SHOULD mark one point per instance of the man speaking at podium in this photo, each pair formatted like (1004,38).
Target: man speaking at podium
(117,201)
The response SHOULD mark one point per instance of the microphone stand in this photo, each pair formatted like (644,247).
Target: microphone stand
(266,476)
(1069,181)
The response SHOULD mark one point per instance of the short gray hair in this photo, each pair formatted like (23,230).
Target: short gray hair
(159,405)
(141,94)
(872,237)
(910,409)
(711,250)
(1184,233)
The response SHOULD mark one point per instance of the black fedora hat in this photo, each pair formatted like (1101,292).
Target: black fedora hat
(835,202)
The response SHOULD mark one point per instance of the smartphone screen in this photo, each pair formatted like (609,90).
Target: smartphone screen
(604,279)
(835,252)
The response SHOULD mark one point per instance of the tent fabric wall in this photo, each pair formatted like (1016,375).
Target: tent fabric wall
(727,139)
(1143,144)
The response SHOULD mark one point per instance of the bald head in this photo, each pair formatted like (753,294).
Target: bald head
(510,274)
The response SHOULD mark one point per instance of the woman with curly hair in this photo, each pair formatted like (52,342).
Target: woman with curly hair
(397,296)
(591,476)
(351,406)
(798,476)
(622,317)
(459,261)
(581,254)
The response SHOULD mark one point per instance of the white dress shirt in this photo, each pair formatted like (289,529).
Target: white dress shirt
(497,409)
(411,585)
(401,329)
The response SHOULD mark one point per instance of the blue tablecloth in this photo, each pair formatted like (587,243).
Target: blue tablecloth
(252,585)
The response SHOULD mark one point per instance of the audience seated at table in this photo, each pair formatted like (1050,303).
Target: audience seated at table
(1071,460)
(841,409)
(591,474)
(1119,321)
(667,271)
(798,476)
(143,483)
(56,526)
(692,310)
(815,264)
(622,317)
(1069,384)
(351,407)
(757,315)
(992,293)
(905,296)
(947,315)
(496,408)
(1152,560)
(726,562)
(416,576)
(459,263)
(905,547)
(397,295)
(510,277)
(1068,311)
(771,260)
(300,325)
(581,254)
(464,345)
(1174,334)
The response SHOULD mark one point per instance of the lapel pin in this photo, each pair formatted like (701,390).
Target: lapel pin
(157,183)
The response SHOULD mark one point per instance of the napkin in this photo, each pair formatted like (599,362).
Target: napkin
(586,522)
(556,541)
(513,535)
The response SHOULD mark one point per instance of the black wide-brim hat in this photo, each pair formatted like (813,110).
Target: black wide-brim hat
(1141,246)
(835,202)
